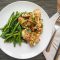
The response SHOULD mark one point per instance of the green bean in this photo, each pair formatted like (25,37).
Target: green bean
(13,31)
(5,27)
(13,34)
(19,39)
(7,38)
(14,41)
(9,30)
(20,34)
(12,19)
(15,27)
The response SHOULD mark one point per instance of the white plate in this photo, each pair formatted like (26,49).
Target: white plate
(25,51)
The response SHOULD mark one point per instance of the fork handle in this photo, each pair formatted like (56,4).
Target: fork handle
(57,53)
(50,43)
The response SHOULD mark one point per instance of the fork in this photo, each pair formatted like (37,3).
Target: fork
(57,25)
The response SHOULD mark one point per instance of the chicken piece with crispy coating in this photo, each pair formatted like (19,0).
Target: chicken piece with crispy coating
(37,15)
(31,37)
(33,27)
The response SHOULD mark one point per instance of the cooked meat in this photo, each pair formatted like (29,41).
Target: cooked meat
(26,15)
(26,35)
(31,37)
(33,26)
(37,12)
(21,20)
